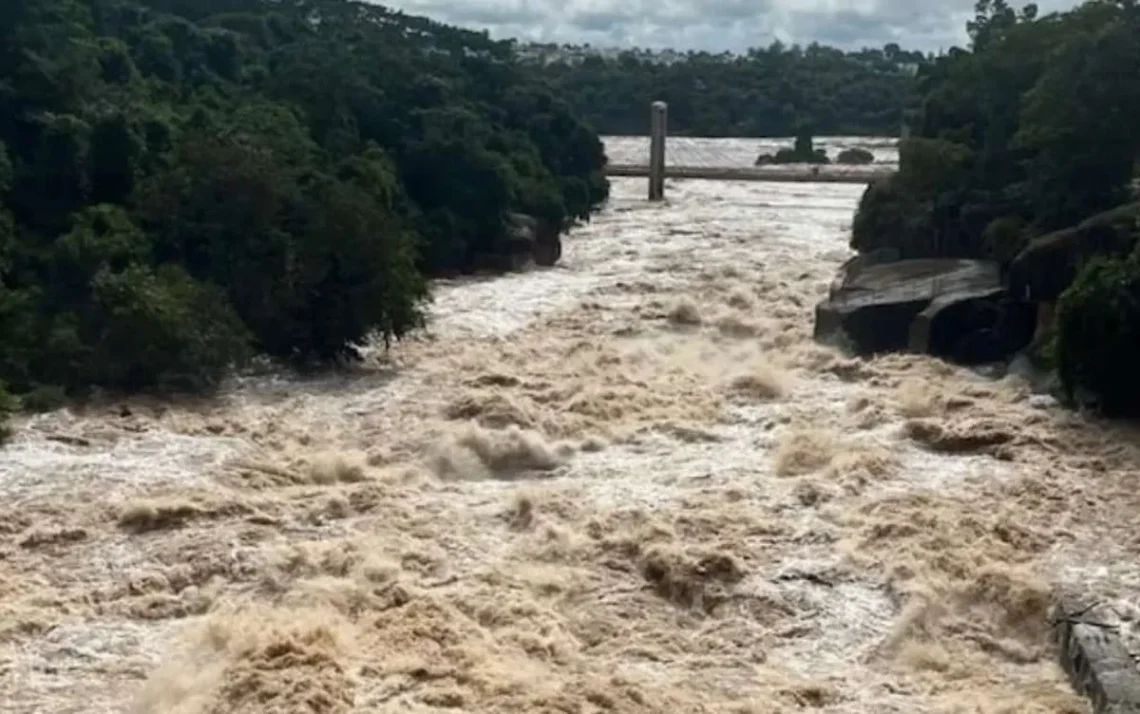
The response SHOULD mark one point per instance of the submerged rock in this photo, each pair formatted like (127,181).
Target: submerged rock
(855,157)
(547,244)
(791,156)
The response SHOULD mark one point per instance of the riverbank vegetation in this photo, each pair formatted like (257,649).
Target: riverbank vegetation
(1023,151)
(767,92)
(187,183)
(803,151)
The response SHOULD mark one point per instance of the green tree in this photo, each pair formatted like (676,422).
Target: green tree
(1078,128)
(184,183)
(1025,153)
(1032,125)
(1098,335)
(160,328)
(992,20)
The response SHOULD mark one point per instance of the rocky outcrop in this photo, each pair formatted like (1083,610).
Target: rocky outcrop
(858,263)
(973,329)
(530,241)
(1045,267)
(791,156)
(1094,657)
(547,244)
(950,308)
(855,157)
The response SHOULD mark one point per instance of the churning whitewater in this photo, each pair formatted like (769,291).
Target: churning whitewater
(631,483)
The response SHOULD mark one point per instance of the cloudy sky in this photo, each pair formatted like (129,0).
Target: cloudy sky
(715,25)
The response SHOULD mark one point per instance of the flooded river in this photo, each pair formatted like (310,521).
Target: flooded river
(630,483)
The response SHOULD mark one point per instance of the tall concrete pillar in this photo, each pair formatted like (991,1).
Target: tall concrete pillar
(657,124)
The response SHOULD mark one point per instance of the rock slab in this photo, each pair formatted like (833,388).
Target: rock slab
(1095,659)
(918,305)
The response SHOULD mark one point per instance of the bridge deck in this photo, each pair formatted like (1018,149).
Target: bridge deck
(783,174)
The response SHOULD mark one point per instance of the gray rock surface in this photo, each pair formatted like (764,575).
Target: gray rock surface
(920,305)
(531,241)
(1095,658)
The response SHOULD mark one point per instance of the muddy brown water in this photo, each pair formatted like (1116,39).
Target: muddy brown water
(630,483)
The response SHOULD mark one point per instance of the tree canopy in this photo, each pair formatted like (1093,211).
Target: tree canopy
(766,92)
(1027,128)
(184,183)
(1023,151)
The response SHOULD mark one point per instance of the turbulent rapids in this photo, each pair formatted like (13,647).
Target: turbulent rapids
(631,483)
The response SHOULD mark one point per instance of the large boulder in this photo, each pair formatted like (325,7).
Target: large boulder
(547,243)
(924,305)
(860,262)
(973,327)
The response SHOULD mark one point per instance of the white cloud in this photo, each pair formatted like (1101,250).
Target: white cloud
(715,25)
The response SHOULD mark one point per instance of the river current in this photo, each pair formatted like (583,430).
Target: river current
(629,483)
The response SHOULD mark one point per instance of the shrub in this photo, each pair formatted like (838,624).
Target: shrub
(1004,238)
(891,217)
(361,275)
(930,166)
(793,156)
(1098,335)
(855,156)
(161,329)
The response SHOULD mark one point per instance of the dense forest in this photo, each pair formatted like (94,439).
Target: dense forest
(1024,151)
(187,183)
(774,91)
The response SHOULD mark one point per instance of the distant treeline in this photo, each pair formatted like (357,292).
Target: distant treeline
(777,91)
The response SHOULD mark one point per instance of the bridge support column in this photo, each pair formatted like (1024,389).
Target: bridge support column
(657,123)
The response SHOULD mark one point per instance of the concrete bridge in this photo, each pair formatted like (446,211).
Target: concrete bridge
(691,158)
(796,173)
